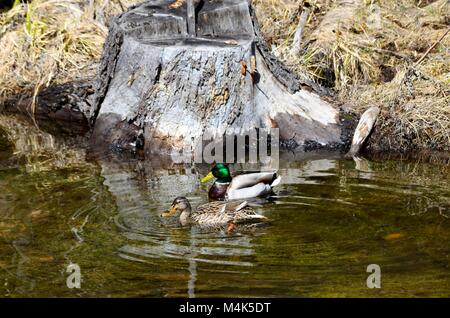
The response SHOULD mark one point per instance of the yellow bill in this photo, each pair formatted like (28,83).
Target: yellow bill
(208,177)
(172,211)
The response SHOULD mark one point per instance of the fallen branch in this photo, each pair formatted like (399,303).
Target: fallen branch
(121,6)
(296,44)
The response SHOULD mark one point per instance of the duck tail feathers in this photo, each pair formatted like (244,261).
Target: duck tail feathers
(254,218)
(241,206)
(275,182)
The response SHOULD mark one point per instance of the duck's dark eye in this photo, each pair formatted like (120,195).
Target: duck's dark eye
(178,200)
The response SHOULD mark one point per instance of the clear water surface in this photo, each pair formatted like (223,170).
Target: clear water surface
(331,218)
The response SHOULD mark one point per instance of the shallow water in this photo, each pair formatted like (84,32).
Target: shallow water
(330,220)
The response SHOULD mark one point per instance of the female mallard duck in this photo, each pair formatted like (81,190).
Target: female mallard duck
(242,186)
(213,213)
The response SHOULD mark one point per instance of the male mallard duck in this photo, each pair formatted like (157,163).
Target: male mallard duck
(242,186)
(215,213)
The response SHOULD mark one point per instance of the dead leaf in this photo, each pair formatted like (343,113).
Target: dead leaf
(393,236)
(176,4)
(38,215)
(45,259)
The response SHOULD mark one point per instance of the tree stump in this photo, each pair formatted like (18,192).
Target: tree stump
(173,69)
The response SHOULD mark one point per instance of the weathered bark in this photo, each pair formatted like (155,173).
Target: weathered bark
(161,87)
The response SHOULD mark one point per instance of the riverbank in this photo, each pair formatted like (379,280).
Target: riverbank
(375,53)
(365,52)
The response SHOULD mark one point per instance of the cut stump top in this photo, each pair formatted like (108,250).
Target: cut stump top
(166,22)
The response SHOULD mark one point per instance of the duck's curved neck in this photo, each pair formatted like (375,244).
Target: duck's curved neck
(185,217)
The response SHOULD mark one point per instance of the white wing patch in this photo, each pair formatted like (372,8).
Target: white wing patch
(241,206)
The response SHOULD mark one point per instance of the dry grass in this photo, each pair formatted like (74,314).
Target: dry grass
(45,42)
(367,53)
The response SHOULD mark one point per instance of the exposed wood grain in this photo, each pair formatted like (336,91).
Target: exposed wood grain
(363,130)
(161,86)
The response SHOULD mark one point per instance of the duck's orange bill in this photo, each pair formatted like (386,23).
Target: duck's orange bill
(208,177)
(169,213)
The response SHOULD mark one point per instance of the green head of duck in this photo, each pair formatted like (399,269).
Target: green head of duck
(221,172)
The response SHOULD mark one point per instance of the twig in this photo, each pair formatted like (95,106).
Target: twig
(34,104)
(121,6)
(431,48)
(296,44)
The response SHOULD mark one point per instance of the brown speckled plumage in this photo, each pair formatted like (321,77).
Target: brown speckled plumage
(217,213)
(221,213)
